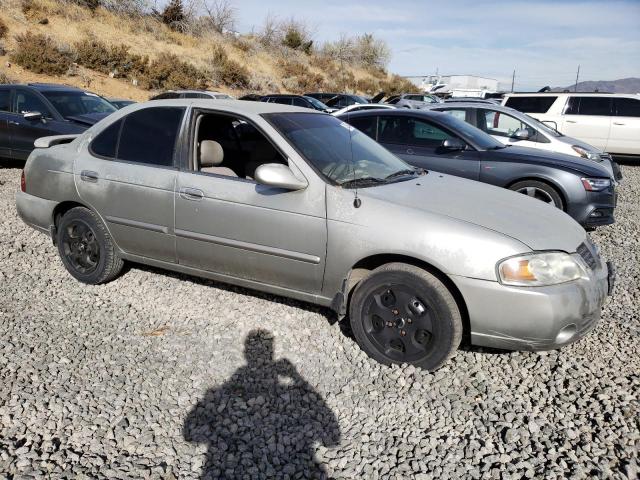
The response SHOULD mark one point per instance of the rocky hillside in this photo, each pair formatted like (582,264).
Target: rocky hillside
(127,54)
(623,85)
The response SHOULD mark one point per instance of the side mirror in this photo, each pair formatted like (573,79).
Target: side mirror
(280,176)
(521,134)
(454,144)
(33,116)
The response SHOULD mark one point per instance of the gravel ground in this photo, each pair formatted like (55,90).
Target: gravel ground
(160,375)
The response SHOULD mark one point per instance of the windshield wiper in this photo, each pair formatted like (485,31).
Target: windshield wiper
(401,173)
(362,182)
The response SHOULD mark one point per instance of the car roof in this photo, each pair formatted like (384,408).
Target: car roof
(282,95)
(235,106)
(397,112)
(42,87)
(573,94)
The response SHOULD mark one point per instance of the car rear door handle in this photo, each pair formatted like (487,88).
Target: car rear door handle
(409,151)
(88,176)
(618,123)
(571,121)
(191,193)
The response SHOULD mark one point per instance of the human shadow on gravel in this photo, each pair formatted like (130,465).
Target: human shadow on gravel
(264,421)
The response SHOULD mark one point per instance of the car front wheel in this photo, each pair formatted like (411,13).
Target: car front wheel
(539,191)
(403,314)
(86,248)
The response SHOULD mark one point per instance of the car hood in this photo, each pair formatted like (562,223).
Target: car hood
(553,159)
(534,223)
(87,119)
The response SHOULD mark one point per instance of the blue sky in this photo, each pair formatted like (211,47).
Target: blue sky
(543,40)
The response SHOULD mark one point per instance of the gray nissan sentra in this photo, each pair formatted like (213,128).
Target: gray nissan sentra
(300,204)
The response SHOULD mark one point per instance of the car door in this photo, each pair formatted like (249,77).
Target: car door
(625,127)
(5,112)
(419,142)
(588,118)
(24,131)
(128,176)
(238,228)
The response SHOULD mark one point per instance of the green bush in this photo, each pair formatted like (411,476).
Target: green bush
(38,53)
(169,72)
(97,56)
(227,71)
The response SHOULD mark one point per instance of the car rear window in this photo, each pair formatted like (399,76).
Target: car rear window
(533,104)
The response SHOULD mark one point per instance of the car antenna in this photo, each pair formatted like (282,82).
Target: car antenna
(356,201)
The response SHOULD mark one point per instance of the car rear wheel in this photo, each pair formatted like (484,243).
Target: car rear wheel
(86,248)
(403,314)
(540,191)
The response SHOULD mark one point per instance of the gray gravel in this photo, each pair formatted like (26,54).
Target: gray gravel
(159,375)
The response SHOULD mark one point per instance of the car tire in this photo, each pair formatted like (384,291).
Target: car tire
(401,313)
(85,247)
(540,191)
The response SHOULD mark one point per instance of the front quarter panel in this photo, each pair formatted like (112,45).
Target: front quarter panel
(377,227)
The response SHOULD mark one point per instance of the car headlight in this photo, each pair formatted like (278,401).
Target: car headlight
(540,269)
(584,153)
(595,184)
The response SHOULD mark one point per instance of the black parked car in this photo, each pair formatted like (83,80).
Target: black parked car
(35,110)
(344,100)
(441,142)
(297,101)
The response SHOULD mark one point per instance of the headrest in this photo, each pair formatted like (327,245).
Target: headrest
(211,154)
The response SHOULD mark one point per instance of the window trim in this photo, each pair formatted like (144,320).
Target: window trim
(176,147)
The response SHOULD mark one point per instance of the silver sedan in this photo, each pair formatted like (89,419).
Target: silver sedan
(300,204)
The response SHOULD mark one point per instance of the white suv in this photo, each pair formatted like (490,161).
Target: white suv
(607,121)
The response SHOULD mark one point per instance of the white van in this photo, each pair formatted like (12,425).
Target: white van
(608,121)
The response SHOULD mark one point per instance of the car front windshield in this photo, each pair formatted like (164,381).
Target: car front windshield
(342,154)
(473,135)
(70,104)
(316,103)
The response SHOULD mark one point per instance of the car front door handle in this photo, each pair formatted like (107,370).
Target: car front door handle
(571,121)
(11,122)
(89,176)
(192,194)
(618,123)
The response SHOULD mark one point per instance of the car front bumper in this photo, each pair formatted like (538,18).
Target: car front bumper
(596,209)
(535,318)
(35,211)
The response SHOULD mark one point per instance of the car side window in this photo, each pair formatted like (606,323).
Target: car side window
(502,124)
(299,102)
(106,142)
(459,114)
(627,107)
(5,97)
(411,131)
(366,125)
(533,104)
(28,102)
(600,106)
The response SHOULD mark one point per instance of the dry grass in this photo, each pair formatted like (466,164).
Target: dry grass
(105,43)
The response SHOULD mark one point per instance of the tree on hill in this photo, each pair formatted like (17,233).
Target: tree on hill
(173,14)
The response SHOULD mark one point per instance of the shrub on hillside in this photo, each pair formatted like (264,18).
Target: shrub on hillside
(227,71)
(4,78)
(90,4)
(396,84)
(368,86)
(115,59)
(38,53)
(173,14)
(298,78)
(169,72)
(3,28)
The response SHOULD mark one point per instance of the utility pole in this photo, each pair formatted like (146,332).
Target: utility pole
(575,88)
(513,79)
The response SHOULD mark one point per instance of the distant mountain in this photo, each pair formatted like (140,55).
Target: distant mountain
(624,85)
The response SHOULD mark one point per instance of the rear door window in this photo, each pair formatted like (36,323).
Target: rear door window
(411,131)
(533,104)
(459,114)
(366,125)
(5,97)
(149,136)
(600,106)
(627,107)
